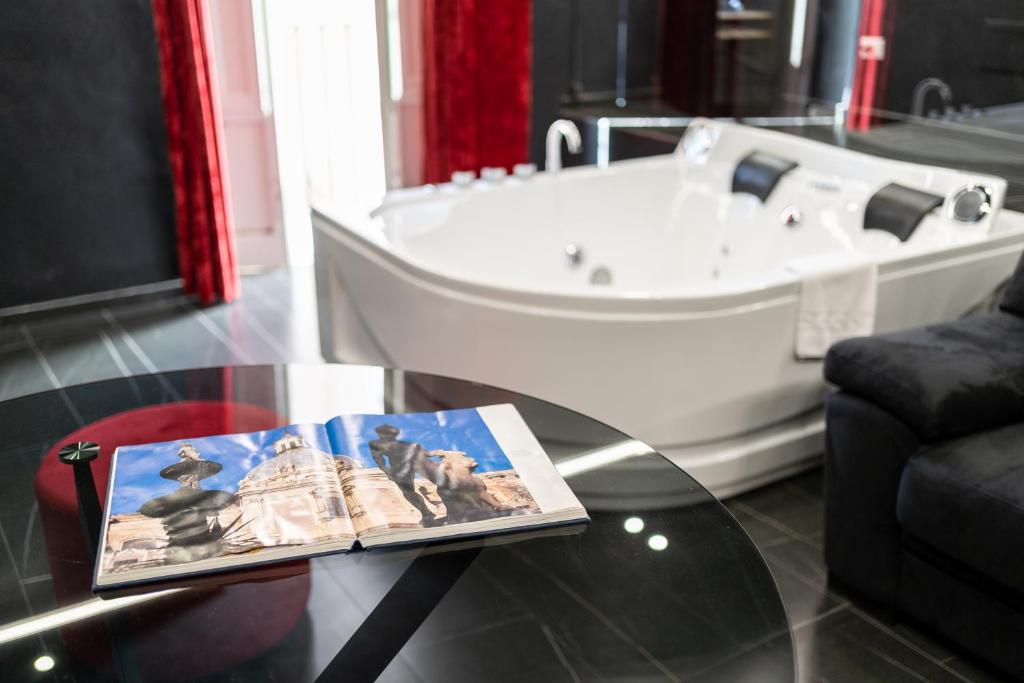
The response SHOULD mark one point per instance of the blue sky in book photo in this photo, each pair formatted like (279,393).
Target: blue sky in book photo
(137,478)
(451,430)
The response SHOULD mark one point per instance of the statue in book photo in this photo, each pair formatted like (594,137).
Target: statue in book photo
(465,495)
(189,515)
(405,460)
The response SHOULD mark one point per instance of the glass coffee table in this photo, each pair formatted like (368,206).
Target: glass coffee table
(662,584)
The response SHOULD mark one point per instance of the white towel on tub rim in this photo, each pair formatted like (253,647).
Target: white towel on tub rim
(838,297)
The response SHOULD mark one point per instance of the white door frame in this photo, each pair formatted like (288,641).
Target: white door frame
(251,169)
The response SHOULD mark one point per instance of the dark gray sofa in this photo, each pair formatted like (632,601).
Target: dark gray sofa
(924,476)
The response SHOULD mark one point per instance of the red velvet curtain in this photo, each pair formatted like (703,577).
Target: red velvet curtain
(477,85)
(206,249)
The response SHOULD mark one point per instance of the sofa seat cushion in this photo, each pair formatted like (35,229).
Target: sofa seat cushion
(965,499)
(941,380)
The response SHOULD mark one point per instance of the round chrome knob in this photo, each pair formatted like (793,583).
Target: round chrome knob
(493,173)
(970,204)
(463,178)
(524,170)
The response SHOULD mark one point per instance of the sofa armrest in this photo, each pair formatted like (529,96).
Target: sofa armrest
(941,380)
(866,450)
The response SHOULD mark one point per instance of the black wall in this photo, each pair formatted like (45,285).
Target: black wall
(574,43)
(576,39)
(85,192)
(836,49)
(977,47)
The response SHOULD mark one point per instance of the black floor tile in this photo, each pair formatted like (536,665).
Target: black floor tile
(791,506)
(239,324)
(892,621)
(13,600)
(11,338)
(908,632)
(178,341)
(845,647)
(974,671)
(40,593)
(21,374)
(800,577)
(274,321)
(800,558)
(551,658)
(18,657)
(760,530)
(24,531)
(286,306)
(804,603)
(127,352)
(811,483)
(64,325)
(79,359)
(166,306)
(266,288)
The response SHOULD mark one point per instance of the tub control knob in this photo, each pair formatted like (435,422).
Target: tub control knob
(601,276)
(573,254)
(524,170)
(971,204)
(493,174)
(790,217)
(463,178)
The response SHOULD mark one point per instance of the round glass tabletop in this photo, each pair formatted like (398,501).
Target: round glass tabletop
(662,584)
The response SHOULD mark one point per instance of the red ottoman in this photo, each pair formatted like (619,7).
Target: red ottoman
(236,621)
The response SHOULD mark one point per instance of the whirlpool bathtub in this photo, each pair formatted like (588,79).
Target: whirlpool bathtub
(654,294)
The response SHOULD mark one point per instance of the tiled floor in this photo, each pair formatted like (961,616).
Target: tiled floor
(836,638)
(273,322)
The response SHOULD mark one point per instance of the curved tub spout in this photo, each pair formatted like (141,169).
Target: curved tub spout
(921,91)
(559,129)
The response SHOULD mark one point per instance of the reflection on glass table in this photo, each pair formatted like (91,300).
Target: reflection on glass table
(663,584)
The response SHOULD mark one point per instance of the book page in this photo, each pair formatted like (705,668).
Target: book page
(428,470)
(527,456)
(175,503)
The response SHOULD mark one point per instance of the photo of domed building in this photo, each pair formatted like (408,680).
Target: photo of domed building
(293,497)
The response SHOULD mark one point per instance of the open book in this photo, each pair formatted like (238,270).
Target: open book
(226,502)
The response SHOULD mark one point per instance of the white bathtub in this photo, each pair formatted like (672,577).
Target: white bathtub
(690,346)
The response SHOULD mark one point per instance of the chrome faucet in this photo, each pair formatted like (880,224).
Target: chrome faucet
(921,91)
(559,129)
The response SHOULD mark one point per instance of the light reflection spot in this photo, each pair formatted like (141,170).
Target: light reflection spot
(634,525)
(657,542)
